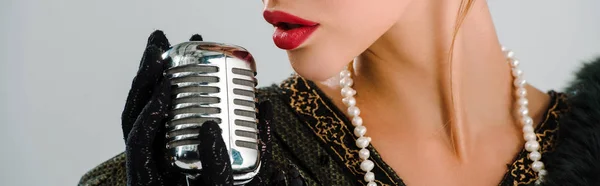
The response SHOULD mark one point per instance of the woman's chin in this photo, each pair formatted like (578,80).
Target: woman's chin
(318,62)
(314,71)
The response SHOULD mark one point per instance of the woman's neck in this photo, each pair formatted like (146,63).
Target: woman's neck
(406,78)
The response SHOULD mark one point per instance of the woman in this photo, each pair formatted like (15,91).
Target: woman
(443,102)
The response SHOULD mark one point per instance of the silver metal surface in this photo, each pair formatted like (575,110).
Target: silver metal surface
(213,81)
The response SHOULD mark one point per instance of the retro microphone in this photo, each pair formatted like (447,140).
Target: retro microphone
(212,81)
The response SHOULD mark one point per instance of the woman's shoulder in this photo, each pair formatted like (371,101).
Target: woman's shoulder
(576,157)
(111,172)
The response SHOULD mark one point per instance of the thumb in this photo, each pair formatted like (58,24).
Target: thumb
(216,166)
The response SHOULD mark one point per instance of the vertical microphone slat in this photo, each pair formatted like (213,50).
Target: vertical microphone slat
(245,138)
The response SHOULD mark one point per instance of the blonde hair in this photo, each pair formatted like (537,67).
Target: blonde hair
(465,6)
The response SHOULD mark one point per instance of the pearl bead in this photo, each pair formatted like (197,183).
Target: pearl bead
(345,73)
(523,111)
(529,136)
(353,111)
(360,131)
(351,93)
(532,146)
(540,180)
(345,91)
(537,166)
(367,165)
(520,82)
(514,63)
(357,121)
(528,128)
(504,49)
(526,120)
(510,54)
(349,101)
(517,72)
(364,154)
(535,156)
(372,184)
(523,102)
(542,172)
(346,82)
(521,92)
(348,92)
(369,177)
(362,142)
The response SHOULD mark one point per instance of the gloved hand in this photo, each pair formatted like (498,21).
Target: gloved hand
(143,122)
(143,119)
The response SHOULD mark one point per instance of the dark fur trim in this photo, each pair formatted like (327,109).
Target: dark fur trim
(576,159)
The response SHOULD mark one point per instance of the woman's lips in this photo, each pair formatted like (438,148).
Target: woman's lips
(291,39)
(291,31)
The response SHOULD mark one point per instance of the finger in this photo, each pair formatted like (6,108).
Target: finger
(141,160)
(153,114)
(265,111)
(141,87)
(158,39)
(265,116)
(216,166)
(149,71)
(269,171)
(196,37)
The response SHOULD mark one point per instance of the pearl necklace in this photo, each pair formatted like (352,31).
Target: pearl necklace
(362,142)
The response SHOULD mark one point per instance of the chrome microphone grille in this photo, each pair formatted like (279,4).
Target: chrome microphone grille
(212,81)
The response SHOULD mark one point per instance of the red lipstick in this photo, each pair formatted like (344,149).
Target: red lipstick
(291,31)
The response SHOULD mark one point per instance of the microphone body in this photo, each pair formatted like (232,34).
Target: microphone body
(212,81)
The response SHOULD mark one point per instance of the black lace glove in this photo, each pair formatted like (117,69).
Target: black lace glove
(143,119)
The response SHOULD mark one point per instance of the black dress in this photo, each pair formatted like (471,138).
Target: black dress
(314,136)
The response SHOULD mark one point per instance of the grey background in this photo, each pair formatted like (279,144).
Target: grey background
(66,66)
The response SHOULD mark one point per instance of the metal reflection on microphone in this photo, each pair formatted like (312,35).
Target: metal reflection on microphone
(212,81)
